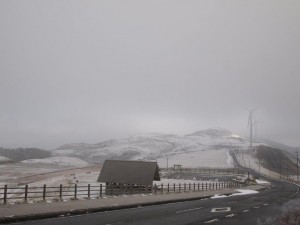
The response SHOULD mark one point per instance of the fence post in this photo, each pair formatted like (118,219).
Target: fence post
(179,187)
(194,187)
(100,190)
(174,187)
(184,187)
(44,192)
(5,194)
(162,188)
(26,192)
(202,185)
(155,187)
(206,186)
(60,191)
(75,191)
(198,186)
(89,190)
(111,188)
(168,188)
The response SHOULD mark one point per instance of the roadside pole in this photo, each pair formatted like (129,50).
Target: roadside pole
(297,153)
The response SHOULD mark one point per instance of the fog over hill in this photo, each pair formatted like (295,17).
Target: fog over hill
(20,154)
(207,144)
(278,145)
(207,148)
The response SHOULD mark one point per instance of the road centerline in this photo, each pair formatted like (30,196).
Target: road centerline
(189,210)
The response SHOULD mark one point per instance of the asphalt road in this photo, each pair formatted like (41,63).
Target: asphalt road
(244,209)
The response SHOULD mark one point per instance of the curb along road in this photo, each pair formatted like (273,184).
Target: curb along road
(89,206)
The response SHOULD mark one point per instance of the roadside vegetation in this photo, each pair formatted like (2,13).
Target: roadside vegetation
(280,162)
(290,218)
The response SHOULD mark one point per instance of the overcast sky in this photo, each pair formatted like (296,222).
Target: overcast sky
(87,71)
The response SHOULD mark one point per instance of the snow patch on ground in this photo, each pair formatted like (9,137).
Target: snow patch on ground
(229,160)
(200,158)
(2,158)
(240,192)
(67,161)
(261,181)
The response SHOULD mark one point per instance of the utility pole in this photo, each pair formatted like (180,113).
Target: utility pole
(251,126)
(167,164)
(297,153)
(249,161)
(280,169)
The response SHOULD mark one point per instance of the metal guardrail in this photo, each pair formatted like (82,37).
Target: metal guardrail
(26,193)
(217,171)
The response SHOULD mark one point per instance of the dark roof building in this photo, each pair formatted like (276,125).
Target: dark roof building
(129,172)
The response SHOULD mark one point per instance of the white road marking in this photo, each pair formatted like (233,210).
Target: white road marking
(230,215)
(253,197)
(266,204)
(225,209)
(188,210)
(114,223)
(256,207)
(211,221)
(246,210)
(228,202)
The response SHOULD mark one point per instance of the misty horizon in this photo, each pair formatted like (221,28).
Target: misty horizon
(93,71)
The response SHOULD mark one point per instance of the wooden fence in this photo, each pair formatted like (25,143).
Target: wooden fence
(211,171)
(26,193)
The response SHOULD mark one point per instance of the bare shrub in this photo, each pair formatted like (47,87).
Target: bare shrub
(290,218)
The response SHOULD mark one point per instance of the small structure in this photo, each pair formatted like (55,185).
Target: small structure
(128,176)
(177,167)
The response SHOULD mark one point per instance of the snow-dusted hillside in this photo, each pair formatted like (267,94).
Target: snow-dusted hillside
(4,159)
(64,161)
(207,148)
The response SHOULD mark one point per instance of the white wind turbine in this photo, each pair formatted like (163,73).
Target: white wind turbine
(251,123)
(255,124)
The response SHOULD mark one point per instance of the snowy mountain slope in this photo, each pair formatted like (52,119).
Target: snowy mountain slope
(66,161)
(4,159)
(201,148)
(213,133)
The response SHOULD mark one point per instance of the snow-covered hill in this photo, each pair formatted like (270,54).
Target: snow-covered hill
(4,159)
(63,161)
(205,148)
